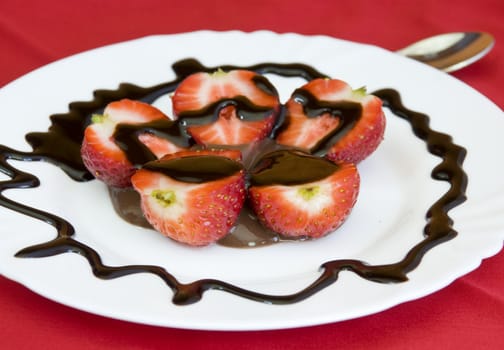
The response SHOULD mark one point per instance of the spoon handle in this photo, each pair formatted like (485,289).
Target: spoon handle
(450,52)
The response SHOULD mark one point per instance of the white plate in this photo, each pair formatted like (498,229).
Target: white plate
(387,221)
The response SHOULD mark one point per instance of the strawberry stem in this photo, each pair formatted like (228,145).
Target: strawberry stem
(97,118)
(362,91)
(218,73)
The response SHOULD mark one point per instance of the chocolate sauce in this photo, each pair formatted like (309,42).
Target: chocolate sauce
(289,167)
(347,112)
(197,169)
(126,203)
(245,110)
(60,145)
(126,137)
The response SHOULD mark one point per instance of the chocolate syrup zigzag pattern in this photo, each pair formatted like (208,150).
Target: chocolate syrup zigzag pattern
(66,133)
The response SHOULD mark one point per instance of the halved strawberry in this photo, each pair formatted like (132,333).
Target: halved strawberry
(226,108)
(105,139)
(299,195)
(193,198)
(325,116)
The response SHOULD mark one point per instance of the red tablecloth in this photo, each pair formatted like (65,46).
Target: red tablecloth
(467,314)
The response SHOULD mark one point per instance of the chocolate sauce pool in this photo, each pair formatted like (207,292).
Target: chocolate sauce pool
(60,145)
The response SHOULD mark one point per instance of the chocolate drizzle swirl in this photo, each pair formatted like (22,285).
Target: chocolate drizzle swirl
(61,143)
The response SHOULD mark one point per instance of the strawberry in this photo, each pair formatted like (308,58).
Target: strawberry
(103,154)
(299,195)
(226,108)
(325,116)
(193,197)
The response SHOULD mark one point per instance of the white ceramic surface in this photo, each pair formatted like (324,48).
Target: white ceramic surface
(387,221)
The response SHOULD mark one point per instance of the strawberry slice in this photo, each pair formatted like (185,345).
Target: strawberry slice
(105,139)
(325,116)
(192,197)
(299,195)
(226,108)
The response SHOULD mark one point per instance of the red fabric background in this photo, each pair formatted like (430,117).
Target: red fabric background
(467,314)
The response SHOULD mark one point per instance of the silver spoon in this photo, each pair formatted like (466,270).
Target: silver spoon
(451,51)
